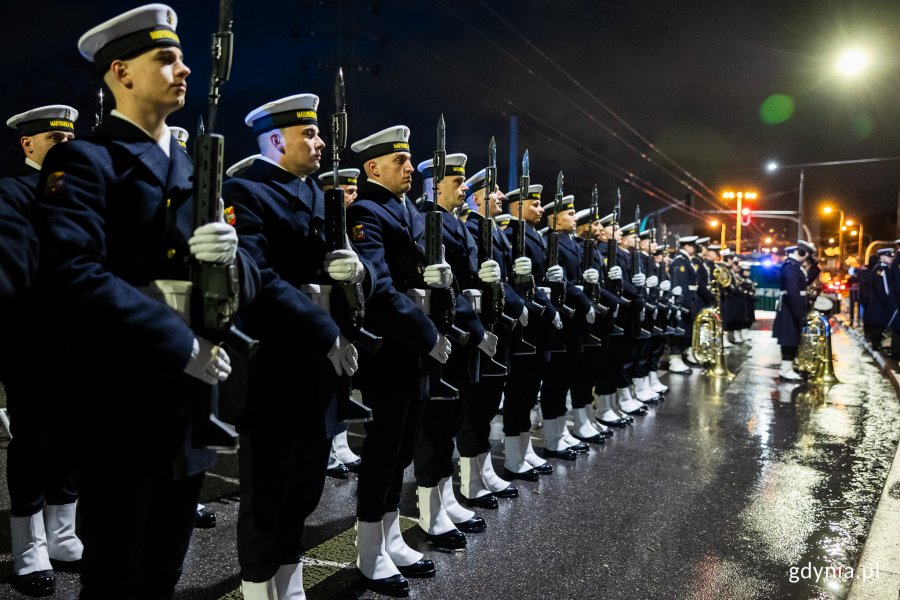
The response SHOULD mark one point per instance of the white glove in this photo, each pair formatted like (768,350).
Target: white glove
(523,318)
(665,285)
(652,281)
(591,276)
(343,356)
(210,364)
(489,271)
(591,316)
(214,242)
(616,311)
(557,322)
(676,291)
(522,266)
(438,275)
(344,265)
(488,344)
(555,274)
(639,279)
(441,350)
(615,273)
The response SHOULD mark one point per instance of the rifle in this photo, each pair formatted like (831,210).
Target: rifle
(656,293)
(636,260)
(216,287)
(442,309)
(666,297)
(98,110)
(592,290)
(524,284)
(493,299)
(347,299)
(557,289)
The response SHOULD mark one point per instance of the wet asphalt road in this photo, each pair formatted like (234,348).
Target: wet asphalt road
(720,492)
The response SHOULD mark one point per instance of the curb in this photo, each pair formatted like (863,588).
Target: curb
(879,563)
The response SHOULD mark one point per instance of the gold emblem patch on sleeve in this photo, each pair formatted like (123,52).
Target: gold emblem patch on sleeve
(359,233)
(229,215)
(681,268)
(54,183)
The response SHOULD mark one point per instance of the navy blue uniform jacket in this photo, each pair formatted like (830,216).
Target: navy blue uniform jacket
(279,218)
(792,310)
(881,305)
(114,213)
(502,253)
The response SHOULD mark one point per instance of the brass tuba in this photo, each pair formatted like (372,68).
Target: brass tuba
(707,337)
(814,356)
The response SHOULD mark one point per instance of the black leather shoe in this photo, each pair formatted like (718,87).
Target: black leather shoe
(637,412)
(654,400)
(594,439)
(616,423)
(567,454)
(353,467)
(452,540)
(580,448)
(488,501)
(474,525)
(205,519)
(544,469)
(36,584)
(606,433)
(339,472)
(419,570)
(628,419)
(73,566)
(510,492)
(529,475)
(396,586)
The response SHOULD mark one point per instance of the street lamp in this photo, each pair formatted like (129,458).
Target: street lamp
(739,215)
(773,166)
(852,62)
(841,229)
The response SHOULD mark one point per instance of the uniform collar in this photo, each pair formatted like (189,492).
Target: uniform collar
(165,142)
(32,164)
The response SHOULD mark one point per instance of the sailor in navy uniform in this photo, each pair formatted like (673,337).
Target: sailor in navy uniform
(586,427)
(560,370)
(610,374)
(342,460)
(881,308)
(115,213)
(641,377)
(278,211)
(525,374)
(658,344)
(684,287)
(40,476)
(479,483)
(633,288)
(441,516)
(792,307)
(387,231)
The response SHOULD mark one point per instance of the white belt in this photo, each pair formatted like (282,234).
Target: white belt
(319,294)
(693,288)
(474,298)
(174,293)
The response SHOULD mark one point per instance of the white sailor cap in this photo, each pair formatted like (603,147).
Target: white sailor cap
(241,165)
(299,109)
(629,229)
(646,234)
(345,177)
(687,239)
(714,247)
(455,166)
(608,219)
(745,265)
(476,182)
(897,242)
(130,34)
(702,241)
(806,247)
(503,218)
(55,117)
(567,203)
(534,193)
(181,135)
(585,216)
(387,141)
(886,252)
(726,251)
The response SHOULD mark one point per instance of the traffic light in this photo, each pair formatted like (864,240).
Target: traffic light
(745,216)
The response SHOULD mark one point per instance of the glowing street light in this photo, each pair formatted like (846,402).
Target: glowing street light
(852,62)
(739,215)
(771,166)
(841,229)
(768,240)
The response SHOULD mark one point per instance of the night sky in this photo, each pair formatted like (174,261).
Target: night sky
(593,84)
